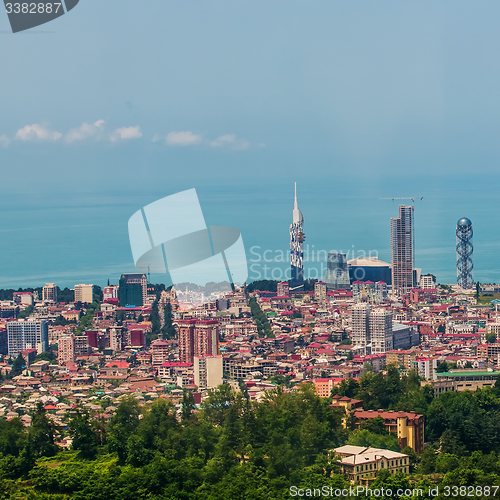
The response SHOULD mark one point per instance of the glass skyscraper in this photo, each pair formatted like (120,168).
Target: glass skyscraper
(337,272)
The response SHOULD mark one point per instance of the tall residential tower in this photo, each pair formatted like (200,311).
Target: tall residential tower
(465,265)
(297,248)
(402,250)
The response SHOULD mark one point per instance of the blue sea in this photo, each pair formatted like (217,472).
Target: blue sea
(81,235)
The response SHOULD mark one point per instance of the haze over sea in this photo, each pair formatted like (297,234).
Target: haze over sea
(116,106)
(81,235)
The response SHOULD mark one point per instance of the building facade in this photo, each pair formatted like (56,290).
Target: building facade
(360,324)
(133,290)
(197,338)
(83,294)
(49,293)
(208,371)
(28,334)
(381,330)
(337,272)
(283,289)
(402,250)
(320,291)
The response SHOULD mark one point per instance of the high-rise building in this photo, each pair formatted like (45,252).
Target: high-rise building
(115,339)
(206,337)
(159,352)
(49,293)
(186,340)
(29,334)
(465,264)
(360,324)
(207,371)
(297,238)
(402,250)
(337,272)
(66,349)
(197,338)
(381,335)
(133,289)
(320,291)
(283,289)
(83,294)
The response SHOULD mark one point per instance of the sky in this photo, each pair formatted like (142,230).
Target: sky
(121,102)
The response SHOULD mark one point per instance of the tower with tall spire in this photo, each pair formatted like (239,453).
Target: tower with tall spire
(297,238)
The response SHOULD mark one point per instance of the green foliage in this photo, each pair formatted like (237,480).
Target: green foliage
(363,437)
(263,285)
(18,366)
(24,314)
(281,380)
(491,338)
(263,326)
(87,318)
(66,295)
(82,432)
(168,330)
(445,366)
(232,447)
(61,321)
(154,317)
(46,356)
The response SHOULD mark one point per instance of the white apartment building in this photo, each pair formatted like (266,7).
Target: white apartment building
(360,324)
(381,330)
(427,282)
(49,293)
(30,334)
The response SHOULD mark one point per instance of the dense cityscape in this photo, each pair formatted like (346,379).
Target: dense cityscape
(390,365)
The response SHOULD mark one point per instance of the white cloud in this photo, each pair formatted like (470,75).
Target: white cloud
(126,133)
(4,141)
(37,132)
(183,139)
(85,131)
(231,141)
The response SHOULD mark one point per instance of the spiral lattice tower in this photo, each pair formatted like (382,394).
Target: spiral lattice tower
(465,264)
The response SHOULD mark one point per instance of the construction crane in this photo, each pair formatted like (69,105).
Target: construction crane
(412,198)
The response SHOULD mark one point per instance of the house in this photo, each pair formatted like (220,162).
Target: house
(360,464)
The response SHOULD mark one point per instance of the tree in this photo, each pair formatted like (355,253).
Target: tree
(24,314)
(442,367)
(122,425)
(82,433)
(41,434)
(374,425)
(187,405)
(18,365)
(491,338)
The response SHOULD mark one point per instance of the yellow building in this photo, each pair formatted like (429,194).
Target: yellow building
(360,464)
